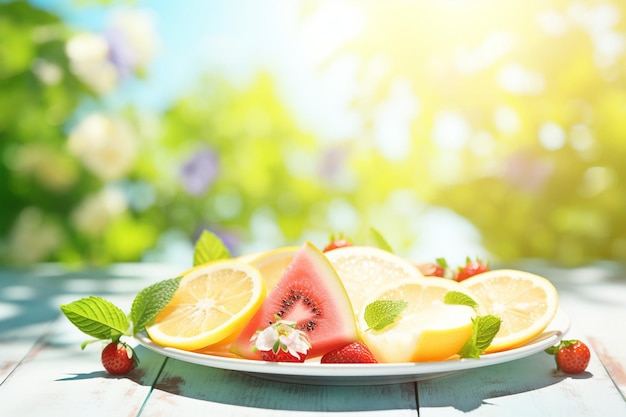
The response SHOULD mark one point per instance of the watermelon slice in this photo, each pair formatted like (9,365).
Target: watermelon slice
(311,294)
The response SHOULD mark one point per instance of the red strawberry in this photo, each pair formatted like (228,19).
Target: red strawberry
(471,268)
(337,242)
(572,356)
(118,358)
(356,352)
(281,356)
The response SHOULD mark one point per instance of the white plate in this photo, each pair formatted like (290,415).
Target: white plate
(313,372)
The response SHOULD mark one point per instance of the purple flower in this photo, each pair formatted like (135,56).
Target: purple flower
(120,53)
(132,41)
(199,172)
(230,238)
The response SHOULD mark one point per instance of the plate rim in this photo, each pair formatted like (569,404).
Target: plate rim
(312,369)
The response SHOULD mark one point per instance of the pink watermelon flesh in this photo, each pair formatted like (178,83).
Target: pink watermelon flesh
(311,294)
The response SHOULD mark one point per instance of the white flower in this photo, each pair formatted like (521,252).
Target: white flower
(89,61)
(33,237)
(96,212)
(284,336)
(132,35)
(126,47)
(266,339)
(295,342)
(47,72)
(106,146)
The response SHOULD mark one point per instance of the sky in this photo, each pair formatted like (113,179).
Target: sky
(238,38)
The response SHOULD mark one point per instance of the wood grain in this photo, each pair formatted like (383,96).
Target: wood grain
(43,371)
(184,386)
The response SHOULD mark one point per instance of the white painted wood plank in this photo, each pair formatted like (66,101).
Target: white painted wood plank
(58,379)
(54,377)
(11,353)
(526,387)
(187,388)
(22,320)
(595,299)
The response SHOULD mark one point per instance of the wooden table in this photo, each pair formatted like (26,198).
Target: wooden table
(43,371)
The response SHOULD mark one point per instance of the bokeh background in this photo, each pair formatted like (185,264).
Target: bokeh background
(455,128)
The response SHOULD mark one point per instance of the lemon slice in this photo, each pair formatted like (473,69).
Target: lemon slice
(526,303)
(273,263)
(427,329)
(213,301)
(364,269)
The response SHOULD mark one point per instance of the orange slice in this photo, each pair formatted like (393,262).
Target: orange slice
(273,263)
(212,302)
(526,303)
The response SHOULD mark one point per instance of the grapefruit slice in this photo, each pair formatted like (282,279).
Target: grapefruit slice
(428,329)
(364,269)
(311,294)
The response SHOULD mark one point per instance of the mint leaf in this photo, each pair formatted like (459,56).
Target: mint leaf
(209,247)
(379,241)
(469,350)
(150,301)
(485,329)
(97,317)
(382,313)
(488,327)
(456,297)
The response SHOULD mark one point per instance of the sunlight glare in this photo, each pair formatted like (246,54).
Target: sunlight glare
(392,131)
(551,136)
(493,47)
(330,26)
(451,131)
(519,80)
(507,120)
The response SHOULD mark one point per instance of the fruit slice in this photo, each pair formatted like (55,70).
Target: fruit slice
(273,264)
(364,269)
(427,329)
(526,303)
(212,301)
(311,294)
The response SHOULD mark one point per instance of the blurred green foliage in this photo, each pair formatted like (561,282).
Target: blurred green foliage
(538,163)
(509,113)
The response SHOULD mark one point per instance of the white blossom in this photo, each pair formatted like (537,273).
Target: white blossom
(89,61)
(106,146)
(96,212)
(285,335)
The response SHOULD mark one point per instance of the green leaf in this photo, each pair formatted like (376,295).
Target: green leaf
(442,262)
(469,350)
(383,313)
(552,350)
(150,301)
(488,327)
(485,329)
(97,317)
(209,247)
(456,297)
(379,241)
